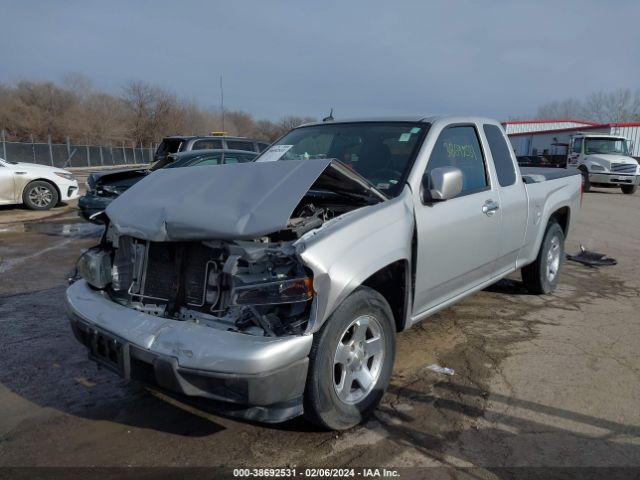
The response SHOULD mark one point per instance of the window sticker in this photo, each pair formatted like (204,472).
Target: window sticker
(404,137)
(274,153)
(415,130)
(455,150)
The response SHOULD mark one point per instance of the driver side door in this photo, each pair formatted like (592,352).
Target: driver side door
(457,239)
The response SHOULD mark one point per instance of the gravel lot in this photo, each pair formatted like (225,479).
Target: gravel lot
(539,381)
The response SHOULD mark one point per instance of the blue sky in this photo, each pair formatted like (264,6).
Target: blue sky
(495,58)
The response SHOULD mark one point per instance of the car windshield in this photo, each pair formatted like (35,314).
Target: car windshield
(614,146)
(382,152)
(7,161)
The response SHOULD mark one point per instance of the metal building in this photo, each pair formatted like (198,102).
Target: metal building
(551,137)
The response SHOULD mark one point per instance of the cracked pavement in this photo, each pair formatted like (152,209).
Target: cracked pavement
(539,381)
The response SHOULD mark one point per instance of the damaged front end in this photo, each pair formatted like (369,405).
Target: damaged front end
(257,288)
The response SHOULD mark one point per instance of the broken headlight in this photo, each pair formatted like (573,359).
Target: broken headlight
(273,293)
(95,267)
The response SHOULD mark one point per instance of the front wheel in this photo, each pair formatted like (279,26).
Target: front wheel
(351,361)
(40,195)
(542,275)
(629,189)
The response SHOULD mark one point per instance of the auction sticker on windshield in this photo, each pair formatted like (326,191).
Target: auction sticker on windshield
(274,153)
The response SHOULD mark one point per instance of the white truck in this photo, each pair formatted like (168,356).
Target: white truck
(604,161)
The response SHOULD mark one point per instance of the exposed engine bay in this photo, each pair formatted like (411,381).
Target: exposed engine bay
(257,287)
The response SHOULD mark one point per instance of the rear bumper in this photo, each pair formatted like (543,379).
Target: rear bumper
(262,378)
(614,179)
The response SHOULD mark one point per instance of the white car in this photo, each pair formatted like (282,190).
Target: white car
(39,187)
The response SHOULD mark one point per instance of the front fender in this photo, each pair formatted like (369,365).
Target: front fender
(349,249)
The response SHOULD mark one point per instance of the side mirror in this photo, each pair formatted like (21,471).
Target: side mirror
(442,183)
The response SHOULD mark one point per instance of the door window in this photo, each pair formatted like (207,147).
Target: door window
(206,144)
(459,147)
(577,145)
(239,145)
(501,155)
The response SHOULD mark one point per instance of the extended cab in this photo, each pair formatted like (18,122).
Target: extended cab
(278,286)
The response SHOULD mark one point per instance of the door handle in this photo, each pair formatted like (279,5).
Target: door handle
(490,207)
(21,173)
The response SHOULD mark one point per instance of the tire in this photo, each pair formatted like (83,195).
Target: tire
(40,195)
(541,276)
(336,357)
(586,183)
(629,189)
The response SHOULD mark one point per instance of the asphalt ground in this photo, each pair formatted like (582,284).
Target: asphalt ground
(539,381)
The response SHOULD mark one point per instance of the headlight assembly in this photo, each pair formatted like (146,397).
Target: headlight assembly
(65,175)
(597,168)
(273,293)
(95,267)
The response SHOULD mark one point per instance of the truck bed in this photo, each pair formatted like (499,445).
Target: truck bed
(541,174)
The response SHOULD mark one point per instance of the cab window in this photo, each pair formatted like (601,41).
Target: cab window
(501,155)
(577,145)
(459,147)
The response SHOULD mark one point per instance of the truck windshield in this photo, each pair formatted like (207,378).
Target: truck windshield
(382,152)
(613,146)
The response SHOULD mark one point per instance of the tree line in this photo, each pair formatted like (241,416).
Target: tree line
(141,114)
(622,105)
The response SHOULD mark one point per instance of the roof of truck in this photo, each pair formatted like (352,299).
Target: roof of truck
(407,118)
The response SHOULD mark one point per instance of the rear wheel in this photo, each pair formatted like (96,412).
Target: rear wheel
(40,195)
(629,189)
(542,275)
(351,361)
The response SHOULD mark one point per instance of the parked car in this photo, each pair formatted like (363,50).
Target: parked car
(182,143)
(38,187)
(279,285)
(104,187)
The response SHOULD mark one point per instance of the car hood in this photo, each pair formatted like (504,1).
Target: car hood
(40,168)
(229,202)
(105,178)
(606,159)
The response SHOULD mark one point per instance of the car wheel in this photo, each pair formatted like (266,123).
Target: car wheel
(586,183)
(351,361)
(629,189)
(542,275)
(40,195)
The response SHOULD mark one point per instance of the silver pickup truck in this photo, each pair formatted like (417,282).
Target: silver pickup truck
(279,286)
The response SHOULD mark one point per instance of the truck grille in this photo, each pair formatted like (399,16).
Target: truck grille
(623,168)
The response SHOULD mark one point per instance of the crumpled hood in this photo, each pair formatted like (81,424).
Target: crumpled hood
(237,201)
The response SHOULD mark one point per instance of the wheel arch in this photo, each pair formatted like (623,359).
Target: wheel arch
(41,179)
(393,282)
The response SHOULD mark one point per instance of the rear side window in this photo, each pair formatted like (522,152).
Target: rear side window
(168,145)
(206,144)
(459,147)
(501,155)
(239,145)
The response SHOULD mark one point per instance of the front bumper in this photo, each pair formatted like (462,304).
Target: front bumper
(68,190)
(614,179)
(263,377)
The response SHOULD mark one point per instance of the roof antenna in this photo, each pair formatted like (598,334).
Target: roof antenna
(329,118)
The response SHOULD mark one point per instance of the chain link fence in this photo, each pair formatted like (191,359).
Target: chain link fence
(65,155)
